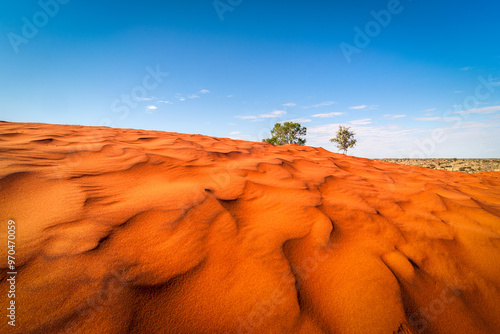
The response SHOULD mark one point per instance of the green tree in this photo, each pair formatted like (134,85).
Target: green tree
(287,133)
(345,139)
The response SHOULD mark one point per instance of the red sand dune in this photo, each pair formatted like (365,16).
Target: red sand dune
(130,231)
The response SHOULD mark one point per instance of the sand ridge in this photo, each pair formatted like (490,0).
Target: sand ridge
(133,231)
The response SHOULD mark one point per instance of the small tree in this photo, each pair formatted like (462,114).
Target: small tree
(345,139)
(287,133)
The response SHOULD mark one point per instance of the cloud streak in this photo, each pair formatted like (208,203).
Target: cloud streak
(327,115)
(322,104)
(388,116)
(364,106)
(276,113)
(273,114)
(437,119)
(482,111)
(363,121)
(297,120)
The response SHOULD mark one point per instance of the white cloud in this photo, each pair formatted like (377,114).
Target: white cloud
(364,106)
(458,92)
(273,114)
(330,114)
(150,109)
(297,120)
(394,127)
(323,129)
(429,119)
(166,102)
(466,68)
(245,137)
(373,141)
(478,125)
(204,91)
(234,133)
(363,121)
(464,139)
(193,96)
(145,98)
(246,117)
(290,104)
(322,104)
(430,109)
(388,116)
(495,82)
(230,96)
(276,113)
(483,110)
(437,119)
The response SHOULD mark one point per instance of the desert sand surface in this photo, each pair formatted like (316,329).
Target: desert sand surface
(131,231)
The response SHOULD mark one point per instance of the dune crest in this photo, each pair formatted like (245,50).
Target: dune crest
(131,231)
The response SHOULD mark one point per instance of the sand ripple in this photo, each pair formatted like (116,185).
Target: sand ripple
(131,231)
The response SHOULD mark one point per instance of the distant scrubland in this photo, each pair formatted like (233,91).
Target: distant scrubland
(455,165)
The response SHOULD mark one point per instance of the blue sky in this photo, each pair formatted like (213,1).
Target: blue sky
(414,78)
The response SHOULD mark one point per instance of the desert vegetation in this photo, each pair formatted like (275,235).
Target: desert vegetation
(287,133)
(344,139)
(454,165)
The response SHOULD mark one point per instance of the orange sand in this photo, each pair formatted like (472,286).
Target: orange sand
(130,231)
